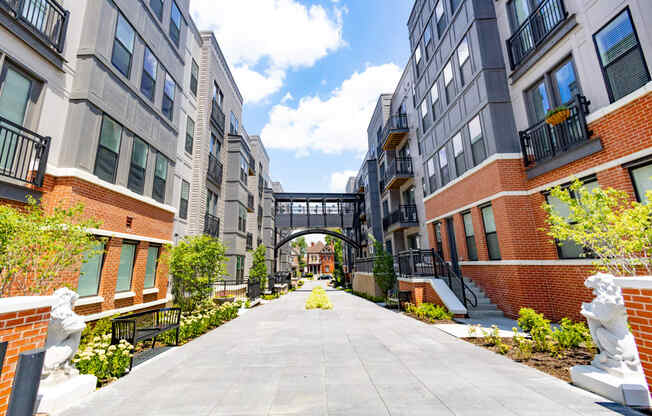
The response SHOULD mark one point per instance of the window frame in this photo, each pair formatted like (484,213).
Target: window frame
(176,39)
(190,138)
(160,13)
(99,144)
(133,263)
(156,263)
(170,100)
(194,78)
(441,152)
(115,39)
(164,180)
(443,18)
(131,185)
(145,73)
(470,239)
(462,154)
(472,138)
(643,164)
(495,232)
(99,276)
(183,210)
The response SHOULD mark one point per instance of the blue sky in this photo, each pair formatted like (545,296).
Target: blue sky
(311,72)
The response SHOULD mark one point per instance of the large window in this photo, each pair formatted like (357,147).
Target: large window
(160,177)
(91,271)
(538,101)
(424,114)
(621,57)
(458,153)
(218,95)
(168,96)
(440,16)
(242,219)
(432,175)
(175,23)
(215,147)
(477,140)
(490,233)
(123,46)
(471,248)
(148,81)
(15,92)
(464,57)
(642,179)
(194,77)
(233,124)
(211,203)
(190,135)
(449,85)
(157,8)
(565,84)
(558,87)
(138,166)
(152,263)
(434,98)
(126,267)
(244,168)
(519,10)
(108,151)
(443,166)
(185,197)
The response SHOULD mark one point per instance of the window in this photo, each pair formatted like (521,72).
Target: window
(519,10)
(458,154)
(424,114)
(157,8)
(443,166)
(108,151)
(477,140)
(434,98)
(185,197)
(413,242)
(490,233)
(148,81)
(123,46)
(218,96)
(448,82)
(432,177)
(215,147)
(463,51)
(621,57)
(642,179)
(194,77)
(190,134)
(388,246)
(239,268)
(565,82)
(138,166)
(244,168)
(464,55)
(440,246)
(242,219)
(175,23)
(150,268)
(233,124)
(427,36)
(168,96)
(160,177)
(15,93)
(91,271)
(538,101)
(471,248)
(440,16)
(455,4)
(126,267)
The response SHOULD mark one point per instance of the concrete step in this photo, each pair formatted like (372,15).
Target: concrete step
(485,314)
(485,307)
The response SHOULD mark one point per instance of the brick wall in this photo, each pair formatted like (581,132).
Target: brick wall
(25,330)
(421,292)
(638,301)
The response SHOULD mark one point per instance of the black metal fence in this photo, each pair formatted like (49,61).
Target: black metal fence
(400,166)
(215,170)
(217,117)
(543,141)
(47,19)
(254,289)
(230,289)
(211,225)
(395,122)
(405,214)
(23,153)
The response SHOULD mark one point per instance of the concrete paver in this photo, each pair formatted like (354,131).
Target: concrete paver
(357,359)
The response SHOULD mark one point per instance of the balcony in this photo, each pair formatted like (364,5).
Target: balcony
(399,171)
(536,28)
(543,141)
(394,131)
(217,117)
(250,241)
(404,217)
(215,169)
(46,19)
(23,153)
(250,202)
(211,225)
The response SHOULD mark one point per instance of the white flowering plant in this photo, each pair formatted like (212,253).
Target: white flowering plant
(105,361)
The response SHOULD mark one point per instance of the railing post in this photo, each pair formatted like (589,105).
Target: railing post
(43,161)
(63,31)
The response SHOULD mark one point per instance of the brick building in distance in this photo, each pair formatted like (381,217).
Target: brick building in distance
(320,258)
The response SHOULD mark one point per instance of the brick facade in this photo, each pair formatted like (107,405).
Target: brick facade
(639,315)
(530,272)
(25,330)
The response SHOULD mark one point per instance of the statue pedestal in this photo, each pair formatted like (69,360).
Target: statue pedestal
(631,391)
(55,397)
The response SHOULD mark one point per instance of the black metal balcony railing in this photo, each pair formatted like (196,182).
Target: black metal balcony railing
(23,153)
(250,202)
(250,241)
(543,141)
(406,214)
(397,122)
(399,167)
(215,170)
(539,24)
(217,117)
(47,19)
(211,225)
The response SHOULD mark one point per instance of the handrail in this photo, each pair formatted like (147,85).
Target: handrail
(211,225)
(399,166)
(47,19)
(23,153)
(394,122)
(215,169)
(404,214)
(217,116)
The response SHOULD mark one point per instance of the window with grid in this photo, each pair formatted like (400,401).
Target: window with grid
(471,248)
(175,23)
(157,8)
(126,267)
(169,89)
(108,150)
(123,46)
(458,154)
(160,177)
(185,197)
(477,140)
(443,166)
(90,272)
(190,135)
(194,77)
(151,266)
(490,233)
(621,56)
(148,79)
(138,167)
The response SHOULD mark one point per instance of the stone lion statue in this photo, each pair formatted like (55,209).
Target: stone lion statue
(64,335)
(607,321)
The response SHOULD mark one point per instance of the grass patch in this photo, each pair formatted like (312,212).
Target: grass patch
(318,299)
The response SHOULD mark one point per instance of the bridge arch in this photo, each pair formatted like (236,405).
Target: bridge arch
(298,234)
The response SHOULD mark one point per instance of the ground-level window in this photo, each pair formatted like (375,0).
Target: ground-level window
(471,248)
(490,233)
(642,179)
(152,263)
(91,271)
(126,267)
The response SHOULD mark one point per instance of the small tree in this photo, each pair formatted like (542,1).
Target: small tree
(383,268)
(258,267)
(606,222)
(37,247)
(196,264)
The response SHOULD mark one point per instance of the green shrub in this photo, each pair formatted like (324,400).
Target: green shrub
(103,360)
(318,299)
(571,334)
(523,345)
(375,299)
(538,327)
(429,312)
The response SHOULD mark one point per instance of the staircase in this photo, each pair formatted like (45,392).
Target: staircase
(485,308)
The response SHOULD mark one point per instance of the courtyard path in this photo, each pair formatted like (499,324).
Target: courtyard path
(357,359)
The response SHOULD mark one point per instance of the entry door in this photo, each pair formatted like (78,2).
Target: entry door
(451,243)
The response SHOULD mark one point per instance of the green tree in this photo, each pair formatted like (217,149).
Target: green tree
(36,247)
(337,245)
(300,245)
(196,264)
(608,223)
(383,268)
(258,268)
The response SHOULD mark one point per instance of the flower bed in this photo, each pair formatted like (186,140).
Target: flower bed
(429,313)
(318,299)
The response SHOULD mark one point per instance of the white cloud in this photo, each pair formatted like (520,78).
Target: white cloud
(339,179)
(276,35)
(287,97)
(336,124)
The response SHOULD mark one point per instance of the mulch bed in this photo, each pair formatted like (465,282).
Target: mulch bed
(430,321)
(557,367)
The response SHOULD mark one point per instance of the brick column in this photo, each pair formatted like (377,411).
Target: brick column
(109,276)
(478,229)
(24,325)
(460,237)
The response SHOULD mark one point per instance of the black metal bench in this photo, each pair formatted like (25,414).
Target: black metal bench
(144,326)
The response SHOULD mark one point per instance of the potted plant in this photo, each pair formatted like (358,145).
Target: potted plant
(557,115)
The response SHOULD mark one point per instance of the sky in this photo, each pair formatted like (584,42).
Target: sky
(310,72)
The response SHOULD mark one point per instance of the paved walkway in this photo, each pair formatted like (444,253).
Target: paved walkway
(358,359)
